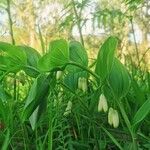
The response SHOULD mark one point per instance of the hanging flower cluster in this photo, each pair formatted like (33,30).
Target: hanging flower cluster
(113,117)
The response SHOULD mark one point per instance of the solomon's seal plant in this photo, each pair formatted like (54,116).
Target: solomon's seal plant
(46,97)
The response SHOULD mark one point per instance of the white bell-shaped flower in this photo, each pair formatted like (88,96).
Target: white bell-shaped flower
(82,84)
(59,74)
(102,105)
(110,113)
(115,119)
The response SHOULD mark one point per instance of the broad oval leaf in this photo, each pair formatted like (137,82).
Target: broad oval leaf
(56,58)
(77,54)
(32,55)
(12,57)
(119,79)
(32,60)
(106,57)
(14,52)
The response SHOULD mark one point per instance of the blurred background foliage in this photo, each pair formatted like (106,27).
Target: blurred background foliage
(36,22)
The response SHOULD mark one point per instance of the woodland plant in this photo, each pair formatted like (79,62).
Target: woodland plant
(59,111)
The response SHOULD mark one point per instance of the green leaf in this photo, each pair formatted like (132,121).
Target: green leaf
(4,96)
(37,95)
(12,58)
(71,79)
(37,113)
(106,57)
(77,54)
(32,60)
(6,140)
(139,94)
(32,55)
(94,100)
(34,118)
(5,63)
(3,111)
(112,138)
(14,52)
(143,111)
(119,79)
(56,58)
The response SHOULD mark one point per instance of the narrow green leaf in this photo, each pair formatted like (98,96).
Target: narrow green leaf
(37,94)
(119,79)
(112,138)
(143,111)
(106,57)
(6,141)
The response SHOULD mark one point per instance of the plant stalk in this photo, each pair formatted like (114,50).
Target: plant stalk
(125,117)
(78,22)
(10,22)
(84,68)
(135,42)
(13,42)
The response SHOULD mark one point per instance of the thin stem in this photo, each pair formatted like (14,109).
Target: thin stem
(125,117)
(41,40)
(50,130)
(80,99)
(13,42)
(10,22)
(84,68)
(78,22)
(135,42)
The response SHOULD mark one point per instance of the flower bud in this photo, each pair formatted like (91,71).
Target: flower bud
(115,119)
(68,108)
(59,74)
(82,84)
(110,113)
(102,105)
